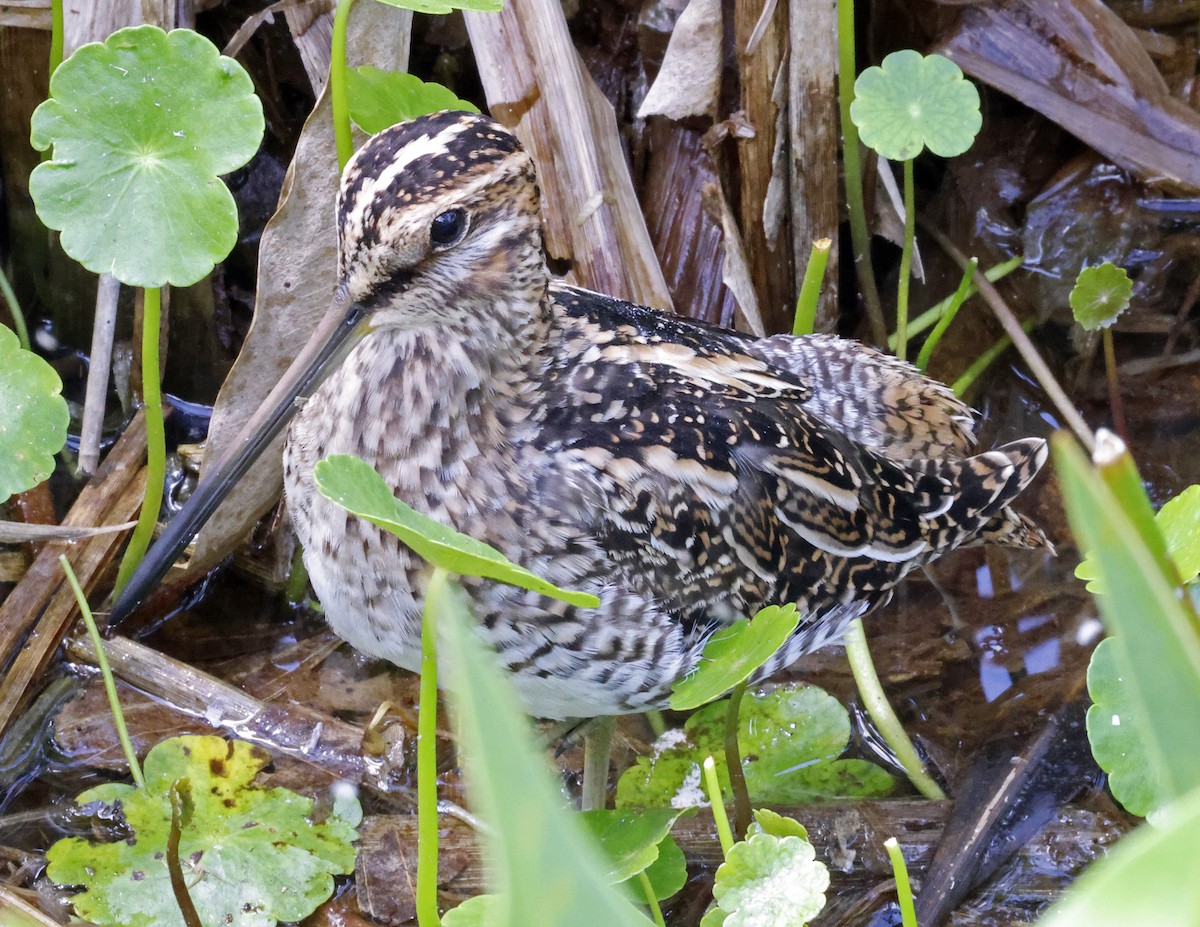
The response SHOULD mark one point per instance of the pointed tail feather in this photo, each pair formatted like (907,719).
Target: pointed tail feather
(986,483)
(1011,529)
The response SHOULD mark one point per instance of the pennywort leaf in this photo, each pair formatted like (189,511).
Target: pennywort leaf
(914,101)
(769,880)
(142,126)
(1101,293)
(255,856)
(33,417)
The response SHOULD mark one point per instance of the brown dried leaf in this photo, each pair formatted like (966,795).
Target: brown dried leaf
(297,276)
(735,269)
(689,82)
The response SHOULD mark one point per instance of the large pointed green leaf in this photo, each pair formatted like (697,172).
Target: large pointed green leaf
(356,487)
(1157,647)
(545,866)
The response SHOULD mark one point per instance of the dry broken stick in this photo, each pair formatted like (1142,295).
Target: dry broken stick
(537,85)
(297,731)
(1082,67)
(38,612)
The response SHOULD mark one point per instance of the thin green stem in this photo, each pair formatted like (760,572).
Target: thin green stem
(651,899)
(733,761)
(860,237)
(906,254)
(1114,386)
(713,787)
(908,914)
(1018,332)
(810,287)
(56,35)
(110,684)
(14,309)
(427,806)
(297,582)
(933,315)
(952,307)
(963,384)
(881,712)
(597,750)
(337,85)
(156,440)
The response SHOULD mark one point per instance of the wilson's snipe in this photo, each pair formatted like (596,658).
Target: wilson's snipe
(685,474)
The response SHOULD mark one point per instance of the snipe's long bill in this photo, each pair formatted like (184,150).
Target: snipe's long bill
(685,474)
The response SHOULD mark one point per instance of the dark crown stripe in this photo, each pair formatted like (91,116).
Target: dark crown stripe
(470,140)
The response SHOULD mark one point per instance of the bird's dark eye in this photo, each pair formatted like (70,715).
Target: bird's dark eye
(447,227)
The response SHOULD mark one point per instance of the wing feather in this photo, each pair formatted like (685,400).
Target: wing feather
(723,488)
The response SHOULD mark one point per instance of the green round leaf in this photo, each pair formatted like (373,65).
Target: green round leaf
(354,485)
(1101,293)
(733,654)
(142,126)
(913,101)
(252,856)
(1179,522)
(630,839)
(769,881)
(33,423)
(379,99)
(798,724)
(1113,731)
(669,778)
(668,873)
(790,739)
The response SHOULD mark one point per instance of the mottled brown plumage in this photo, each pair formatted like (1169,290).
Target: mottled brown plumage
(687,475)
